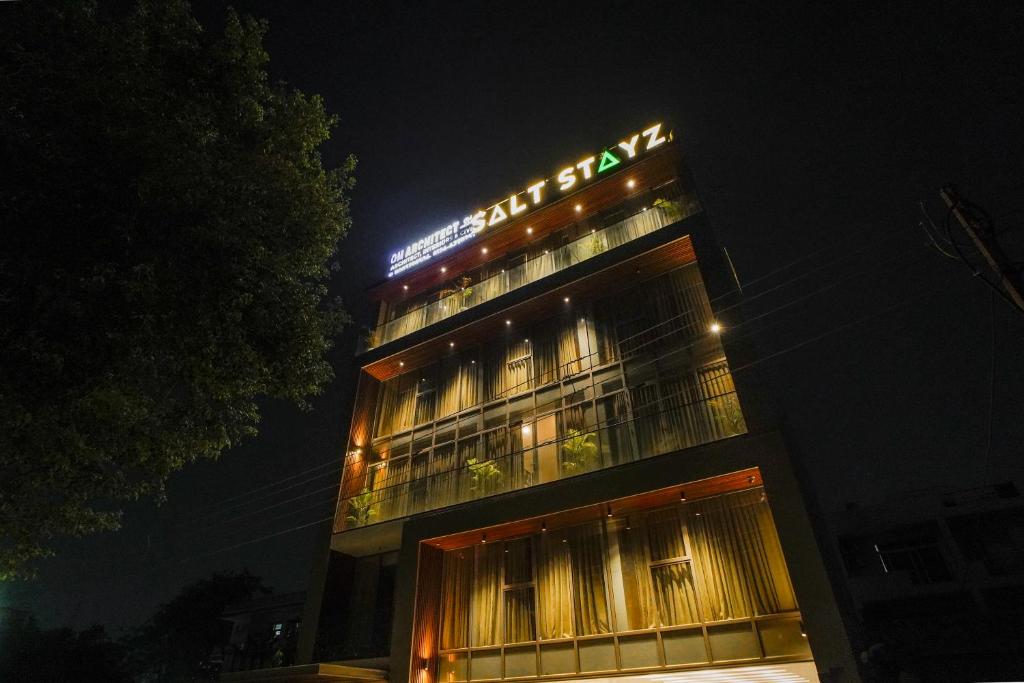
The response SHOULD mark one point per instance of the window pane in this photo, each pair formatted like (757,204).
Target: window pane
(589,579)
(675,595)
(518,561)
(519,615)
(486,593)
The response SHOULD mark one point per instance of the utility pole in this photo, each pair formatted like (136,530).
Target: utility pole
(987,246)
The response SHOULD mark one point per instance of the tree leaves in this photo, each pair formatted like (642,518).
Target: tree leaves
(168,224)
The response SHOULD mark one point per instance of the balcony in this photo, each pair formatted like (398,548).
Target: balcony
(670,206)
(615,423)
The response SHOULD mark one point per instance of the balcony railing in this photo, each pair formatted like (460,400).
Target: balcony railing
(644,426)
(668,208)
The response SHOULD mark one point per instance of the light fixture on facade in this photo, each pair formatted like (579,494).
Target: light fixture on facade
(401,363)
(483,250)
(682,496)
(631,183)
(803,631)
(508,322)
(425,664)
(543,526)
(608,512)
(529,231)
(579,207)
(751,479)
(444,269)
(451,345)
(715,328)
(566,299)
(405,287)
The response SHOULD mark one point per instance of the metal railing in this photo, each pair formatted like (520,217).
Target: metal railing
(501,461)
(669,208)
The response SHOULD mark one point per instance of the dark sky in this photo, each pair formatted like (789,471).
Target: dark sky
(813,131)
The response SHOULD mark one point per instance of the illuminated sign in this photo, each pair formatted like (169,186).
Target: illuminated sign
(535,195)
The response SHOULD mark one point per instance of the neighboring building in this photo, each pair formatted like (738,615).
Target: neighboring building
(552,472)
(264,632)
(938,582)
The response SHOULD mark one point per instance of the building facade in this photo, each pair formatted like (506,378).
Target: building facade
(552,472)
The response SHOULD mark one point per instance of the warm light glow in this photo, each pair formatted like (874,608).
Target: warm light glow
(508,322)
(497,215)
(631,183)
(444,269)
(405,287)
(566,299)
(451,344)
(715,328)
(579,207)
(514,207)
(483,250)
(401,363)
(529,231)
(526,429)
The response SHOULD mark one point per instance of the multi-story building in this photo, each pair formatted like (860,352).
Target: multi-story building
(551,470)
(937,581)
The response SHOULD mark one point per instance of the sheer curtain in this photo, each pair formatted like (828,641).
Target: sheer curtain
(448,381)
(554,586)
(520,615)
(588,573)
(737,552)
(456,575)
(487,594)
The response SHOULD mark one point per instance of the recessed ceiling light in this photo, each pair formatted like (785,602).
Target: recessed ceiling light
(508,322)
(715,328)
(529,231)
(631,184)
(484,250)
(579,207)
(451,343)
(405,287)
(401,364)
(566,299)
(444,269)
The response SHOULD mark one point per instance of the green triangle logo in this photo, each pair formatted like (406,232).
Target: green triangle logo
(608,160)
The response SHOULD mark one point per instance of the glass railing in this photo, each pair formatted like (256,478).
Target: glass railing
(637,424)
(669,207)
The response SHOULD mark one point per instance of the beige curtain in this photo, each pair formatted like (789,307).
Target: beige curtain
(487,594)
(636,578)
(589,579)
(737,552)
(568,347)
(520,618)
(554,585)
(672,583)
(397,403)
(448,384)
(469,381)
(456,575)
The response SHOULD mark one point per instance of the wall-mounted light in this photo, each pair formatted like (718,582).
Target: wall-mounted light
(608,512)
(483,250)
(401,363)
(631,183)
(803,631)
(425,664)
(751,479)
(529,231)
(451,344)
(405,287)
(715,327)
(566,299)
(682,496)
(444,269)
(483,538)
(579,207)
(543,526)
(508,322)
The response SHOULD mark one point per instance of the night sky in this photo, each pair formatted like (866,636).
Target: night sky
(812,132)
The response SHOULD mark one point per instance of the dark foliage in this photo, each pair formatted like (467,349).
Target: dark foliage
(167,228)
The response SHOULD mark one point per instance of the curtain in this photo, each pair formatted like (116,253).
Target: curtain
(397,402)
(636,578)
(443,482)
(448,384)
(589,579)
(469,381)
(456,576)
(487,594)
(545,355)
(738,556)
(520,616)
(554,585)
(568,348)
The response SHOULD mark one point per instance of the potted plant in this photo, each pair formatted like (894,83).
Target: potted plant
(360,508)
(579,452)
(483,475)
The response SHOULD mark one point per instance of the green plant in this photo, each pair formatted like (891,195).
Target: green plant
(672,209)
(728,415)
(483,475)
(360,508)
(580,451)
